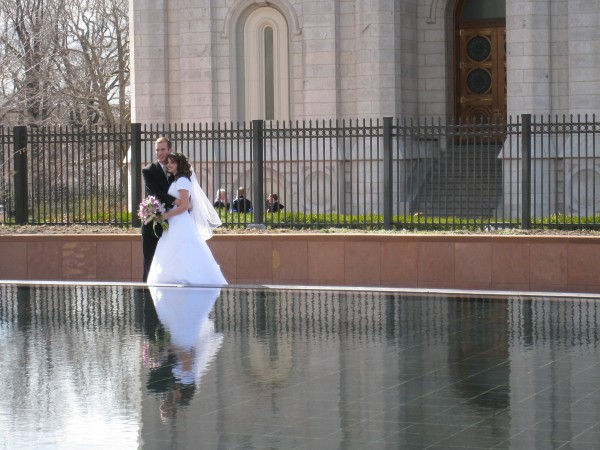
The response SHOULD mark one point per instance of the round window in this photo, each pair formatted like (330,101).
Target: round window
(479,48)
(479,81)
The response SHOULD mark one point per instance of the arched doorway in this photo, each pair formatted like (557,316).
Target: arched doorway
(480,60)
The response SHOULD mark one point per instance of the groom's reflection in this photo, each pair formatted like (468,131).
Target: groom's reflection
(181,345)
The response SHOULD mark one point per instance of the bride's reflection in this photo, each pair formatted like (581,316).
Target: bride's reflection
(182,345)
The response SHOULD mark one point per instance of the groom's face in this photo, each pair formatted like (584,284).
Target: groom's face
(162,151)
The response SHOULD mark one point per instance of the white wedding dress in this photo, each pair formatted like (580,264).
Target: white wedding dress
(182,255)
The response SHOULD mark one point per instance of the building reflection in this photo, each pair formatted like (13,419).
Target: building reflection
(478,356)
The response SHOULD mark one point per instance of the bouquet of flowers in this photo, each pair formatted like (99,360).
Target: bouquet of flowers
(151,210)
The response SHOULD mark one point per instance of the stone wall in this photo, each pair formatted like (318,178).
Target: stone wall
(478,262)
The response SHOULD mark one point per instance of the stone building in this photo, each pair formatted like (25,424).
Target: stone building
(238,60)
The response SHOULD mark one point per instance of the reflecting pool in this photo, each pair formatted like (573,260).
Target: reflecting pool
(128,367)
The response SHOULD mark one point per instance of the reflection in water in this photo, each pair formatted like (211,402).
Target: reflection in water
(478,357)
(181,345)
(68,366)
(295,369)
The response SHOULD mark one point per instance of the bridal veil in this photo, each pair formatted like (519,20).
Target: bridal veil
(202,210)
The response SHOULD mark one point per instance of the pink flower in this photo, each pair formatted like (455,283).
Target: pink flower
(151,210)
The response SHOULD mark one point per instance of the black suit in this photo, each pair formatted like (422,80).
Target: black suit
(220,204)
(157,184)
(274,207)
(241,205)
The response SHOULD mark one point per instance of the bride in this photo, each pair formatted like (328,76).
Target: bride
(182,255)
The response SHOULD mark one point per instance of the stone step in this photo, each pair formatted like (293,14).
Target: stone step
(464,182)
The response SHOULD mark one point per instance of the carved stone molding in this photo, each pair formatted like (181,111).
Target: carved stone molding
(239,7)
(433,6)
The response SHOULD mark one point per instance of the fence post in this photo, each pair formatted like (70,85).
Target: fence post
(388,191)
(20,165)
(136,171)
(526,171)
(257,169)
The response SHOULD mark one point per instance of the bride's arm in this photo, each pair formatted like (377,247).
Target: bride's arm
(184,204)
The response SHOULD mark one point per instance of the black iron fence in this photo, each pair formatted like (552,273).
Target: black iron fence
(368,174)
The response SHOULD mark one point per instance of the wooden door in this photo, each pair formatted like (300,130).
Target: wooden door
(481,74)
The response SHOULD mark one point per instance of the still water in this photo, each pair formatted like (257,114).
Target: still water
(177,368)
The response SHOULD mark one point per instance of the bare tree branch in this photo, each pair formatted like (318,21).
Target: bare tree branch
(64,61)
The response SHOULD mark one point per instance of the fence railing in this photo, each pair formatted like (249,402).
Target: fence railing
(368,174)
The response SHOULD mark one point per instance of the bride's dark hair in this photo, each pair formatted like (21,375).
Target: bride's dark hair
(183,166)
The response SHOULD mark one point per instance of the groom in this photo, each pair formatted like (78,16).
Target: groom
(157,183)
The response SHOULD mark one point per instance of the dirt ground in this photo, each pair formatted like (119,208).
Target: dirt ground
(108,229)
